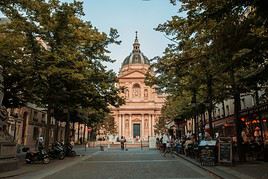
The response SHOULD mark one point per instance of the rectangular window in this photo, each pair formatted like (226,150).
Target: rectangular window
(228,110)
(35,133)
(43,118)
(35,116)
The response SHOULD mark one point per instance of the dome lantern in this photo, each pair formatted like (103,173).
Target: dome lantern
(136,56)
(136,44)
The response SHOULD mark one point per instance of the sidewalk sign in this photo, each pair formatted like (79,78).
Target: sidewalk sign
(225,150)
(207,152)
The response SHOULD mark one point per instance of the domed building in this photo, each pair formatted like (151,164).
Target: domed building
(137,117)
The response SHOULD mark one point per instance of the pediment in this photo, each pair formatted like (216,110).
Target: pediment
(133,74)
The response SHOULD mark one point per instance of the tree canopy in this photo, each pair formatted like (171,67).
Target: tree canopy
(55,59)
(217,51)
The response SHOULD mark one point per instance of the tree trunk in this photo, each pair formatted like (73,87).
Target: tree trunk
(73,131)
(203,118)
(84,134)
(78,135)
(56,131)
(259,114)
(47,138)
(210,107)
(88,134)
(67,129)
(238,124)
(223,108)
(195,112)
(237,108)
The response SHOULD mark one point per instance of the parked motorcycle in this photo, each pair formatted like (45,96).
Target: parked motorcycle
(68,150)
(57,151)
(40,155)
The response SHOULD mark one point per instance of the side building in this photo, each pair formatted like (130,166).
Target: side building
(28,123)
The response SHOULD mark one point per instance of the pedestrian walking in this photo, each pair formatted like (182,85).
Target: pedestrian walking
(169,146)
(165,141)
(122,141)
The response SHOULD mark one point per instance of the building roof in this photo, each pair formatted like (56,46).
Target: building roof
(136,56)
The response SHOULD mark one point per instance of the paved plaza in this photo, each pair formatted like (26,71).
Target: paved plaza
(114,163)
(134,163)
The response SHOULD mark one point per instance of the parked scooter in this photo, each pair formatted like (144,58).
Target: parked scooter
(68,150)
(39,156)
(56,151)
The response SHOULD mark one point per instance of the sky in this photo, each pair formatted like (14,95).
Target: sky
(128,16)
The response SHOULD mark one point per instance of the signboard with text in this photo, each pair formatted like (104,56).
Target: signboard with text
(225,150)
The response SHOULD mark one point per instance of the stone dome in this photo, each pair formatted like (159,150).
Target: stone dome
(136,56)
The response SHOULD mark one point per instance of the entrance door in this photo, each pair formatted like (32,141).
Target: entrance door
(136,130)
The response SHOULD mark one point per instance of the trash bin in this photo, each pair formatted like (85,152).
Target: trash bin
(265,153)
(101,148)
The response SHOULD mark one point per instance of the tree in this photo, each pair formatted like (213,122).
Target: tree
(220,45)
(15,66)
(108,125)
(64,56)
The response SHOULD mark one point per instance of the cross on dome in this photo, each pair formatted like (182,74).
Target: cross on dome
(136,44)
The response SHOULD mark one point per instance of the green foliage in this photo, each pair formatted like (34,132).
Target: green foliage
(108,125)
(160,126)
(218,50)
(56,58)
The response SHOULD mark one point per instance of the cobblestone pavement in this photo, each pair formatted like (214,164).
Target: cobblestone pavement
(134,163)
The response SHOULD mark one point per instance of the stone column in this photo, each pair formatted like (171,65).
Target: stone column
(119,123)
(123,124)
(153,123)
(149,125)
(142,126)
(130,126)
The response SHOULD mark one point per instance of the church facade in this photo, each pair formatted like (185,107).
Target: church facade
(137,117)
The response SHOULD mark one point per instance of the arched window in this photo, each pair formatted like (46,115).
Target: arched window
(136,90)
